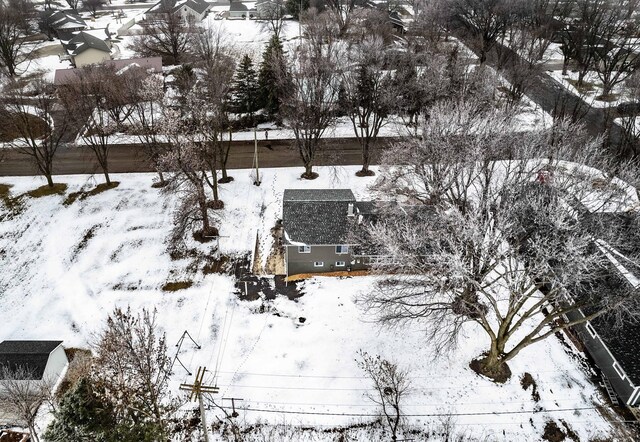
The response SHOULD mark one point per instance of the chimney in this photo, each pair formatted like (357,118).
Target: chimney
(350,209)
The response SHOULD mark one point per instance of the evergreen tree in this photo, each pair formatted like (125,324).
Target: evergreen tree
(245,88)
(84,416)
(269,95)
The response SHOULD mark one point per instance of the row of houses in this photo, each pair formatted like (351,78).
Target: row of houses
(316,226)
(197,10)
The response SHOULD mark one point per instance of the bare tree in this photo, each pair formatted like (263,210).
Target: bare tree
(312,87)
(487,20)
(596,37)
(145,118)
(39,126)
(342,12)
(391,385)
(272,15)
(630,120)
(131,367)
(502,244)
(367,96)
(97,103)
(215,55)
(93,6)
(73,4)
(619,55)
(21,394)
(188,160)
(166,35)
(15,26)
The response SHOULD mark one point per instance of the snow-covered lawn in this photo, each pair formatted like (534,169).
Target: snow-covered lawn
(63,269)
(592,91)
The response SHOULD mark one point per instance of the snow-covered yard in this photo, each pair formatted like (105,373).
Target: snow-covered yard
(64,268)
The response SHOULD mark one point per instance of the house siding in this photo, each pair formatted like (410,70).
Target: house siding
(624,388)
(304,262)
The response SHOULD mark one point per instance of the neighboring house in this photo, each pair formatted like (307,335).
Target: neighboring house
(615,352)
(270,8)
(194,10)
(62,22)
(42,360)
(85,48)
(189,10)
(240,10)
(316,226)
(149,65)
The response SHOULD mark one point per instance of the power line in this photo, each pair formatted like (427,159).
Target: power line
(365,377)
(480,413)
(409,405)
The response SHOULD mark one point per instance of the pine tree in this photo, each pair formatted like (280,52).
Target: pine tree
(245,88)
(272,65)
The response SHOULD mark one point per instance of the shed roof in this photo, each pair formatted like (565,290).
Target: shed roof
(31,355)
(317,216)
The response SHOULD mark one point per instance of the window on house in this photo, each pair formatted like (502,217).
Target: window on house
(618,370)
(340,250)
(591,330)
(340,264)
(318,264)
(304,249)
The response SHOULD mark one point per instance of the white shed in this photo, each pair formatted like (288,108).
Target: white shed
(42,360)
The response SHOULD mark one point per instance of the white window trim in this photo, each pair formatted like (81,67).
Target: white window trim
(591,330)
(344,250)
(618,370)
(318,263)
(341,264)
(305,249)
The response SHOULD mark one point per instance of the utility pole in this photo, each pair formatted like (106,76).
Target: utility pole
(255,154)
(233,400)
(196,390)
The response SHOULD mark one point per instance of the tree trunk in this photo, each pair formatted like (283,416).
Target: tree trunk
(106,177)
(565,65)
(308,170)
(161,176)
(49,180)
(202,202)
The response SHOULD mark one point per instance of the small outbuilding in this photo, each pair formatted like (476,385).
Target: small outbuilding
(40,360)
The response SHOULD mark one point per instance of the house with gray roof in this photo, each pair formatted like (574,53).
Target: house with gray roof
(86,48)
(316,226)
(59,23)
(615,351)
(189,10)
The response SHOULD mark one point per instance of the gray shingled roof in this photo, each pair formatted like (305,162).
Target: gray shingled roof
(316,217)
(31,355)
(624,344)
(198,6)
(83,41)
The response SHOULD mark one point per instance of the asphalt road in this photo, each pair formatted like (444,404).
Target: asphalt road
(131,158)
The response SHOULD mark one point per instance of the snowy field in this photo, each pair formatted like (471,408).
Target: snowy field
(63,269)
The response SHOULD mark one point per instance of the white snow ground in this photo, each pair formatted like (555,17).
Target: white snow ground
(59,282)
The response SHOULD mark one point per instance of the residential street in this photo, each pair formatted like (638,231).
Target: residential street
(551,97)
(131,158)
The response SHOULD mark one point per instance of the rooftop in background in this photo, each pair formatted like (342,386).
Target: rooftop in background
(149,64)
(32,355)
